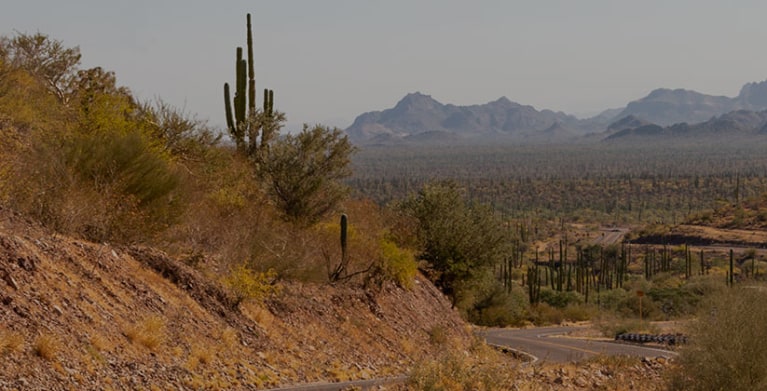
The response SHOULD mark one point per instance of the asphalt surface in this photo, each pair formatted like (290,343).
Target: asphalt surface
(549,344)
(610,236)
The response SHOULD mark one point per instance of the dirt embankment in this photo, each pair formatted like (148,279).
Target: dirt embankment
(86,316)
(702,236)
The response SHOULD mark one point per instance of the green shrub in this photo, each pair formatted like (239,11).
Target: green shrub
(560,299)
(579,312)
(500,309)
(248,284)
(398,264)
(611,300)
(107,186)
(545,314)
(728,344)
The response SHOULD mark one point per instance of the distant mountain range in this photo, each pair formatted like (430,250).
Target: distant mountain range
(667,107)
(419,118)
(733,125)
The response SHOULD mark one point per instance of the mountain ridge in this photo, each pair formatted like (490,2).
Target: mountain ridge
(737,123)
(418,113)
(419,118)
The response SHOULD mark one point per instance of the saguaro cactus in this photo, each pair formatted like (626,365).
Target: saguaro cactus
(730,276)
(344,225)
(340,271)
(242,119)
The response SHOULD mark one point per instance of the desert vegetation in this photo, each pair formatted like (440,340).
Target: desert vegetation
(729,347)
(82,158)
(512,236)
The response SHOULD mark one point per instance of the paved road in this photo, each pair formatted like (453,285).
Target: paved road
(610,236)
(543,344)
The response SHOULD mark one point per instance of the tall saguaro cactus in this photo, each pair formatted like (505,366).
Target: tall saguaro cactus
(245,124)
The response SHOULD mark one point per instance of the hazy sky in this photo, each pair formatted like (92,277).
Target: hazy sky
(330,60)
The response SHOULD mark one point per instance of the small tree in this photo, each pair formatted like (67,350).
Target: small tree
(304,172)
(47,59)
(459,240)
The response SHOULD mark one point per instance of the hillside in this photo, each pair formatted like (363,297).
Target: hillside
(81,315)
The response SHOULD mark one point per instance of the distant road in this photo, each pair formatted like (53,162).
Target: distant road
(543,344)
(611,236)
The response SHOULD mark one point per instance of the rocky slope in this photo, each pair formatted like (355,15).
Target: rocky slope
(88,316)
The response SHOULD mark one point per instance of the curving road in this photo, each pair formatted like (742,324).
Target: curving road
(542,343)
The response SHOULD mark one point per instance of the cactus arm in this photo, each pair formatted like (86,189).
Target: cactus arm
(228,108)
(251,73)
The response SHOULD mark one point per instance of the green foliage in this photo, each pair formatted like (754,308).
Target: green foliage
(579,312)
(728,344)
(103,186)
(398,264)
(559,299)
(499,308)
(179,133)
(460,241)
(123,162)
(87,160)
(54,65)
(248,284)
(362,254)
(304,172)
(583,183)
(543,314)
(27,105)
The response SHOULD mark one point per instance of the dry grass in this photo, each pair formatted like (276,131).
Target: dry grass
(229,338)
(47,346)
(100,343)
(150,332)
(200,355)
(256,312)
(10,342)
(478,367)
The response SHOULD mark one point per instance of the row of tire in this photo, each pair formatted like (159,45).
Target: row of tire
(667,339)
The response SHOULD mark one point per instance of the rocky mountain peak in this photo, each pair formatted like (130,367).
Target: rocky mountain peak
(754,95)
(415,101)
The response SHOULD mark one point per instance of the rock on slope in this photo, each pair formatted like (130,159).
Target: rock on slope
(80,315)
